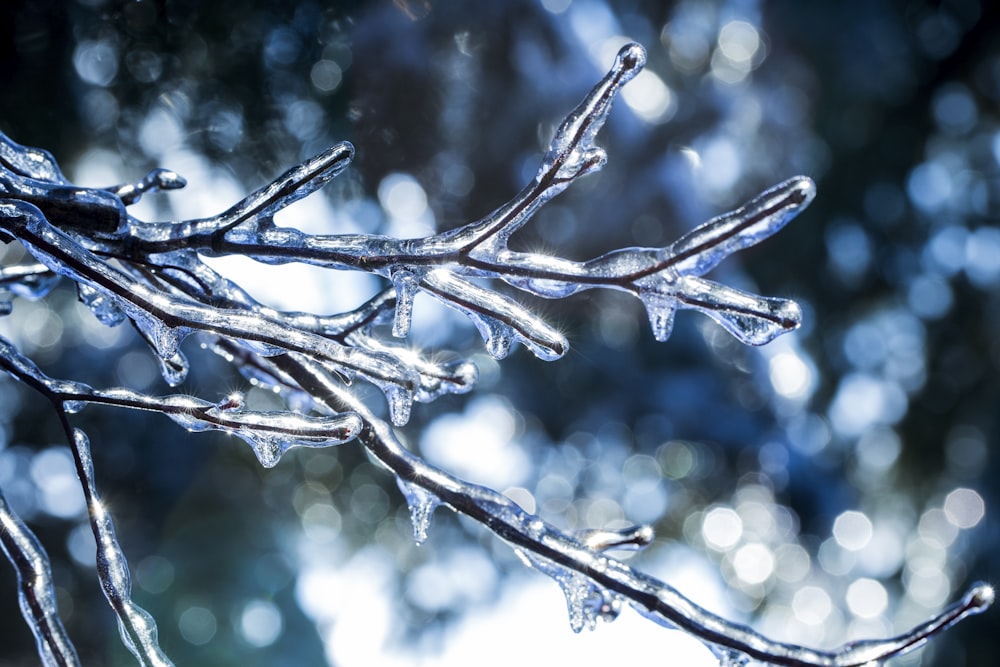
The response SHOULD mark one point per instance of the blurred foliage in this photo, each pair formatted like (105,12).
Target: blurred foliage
(884,404)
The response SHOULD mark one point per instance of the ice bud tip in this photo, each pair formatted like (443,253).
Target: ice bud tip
(803,189)
(630,60)
(981,597)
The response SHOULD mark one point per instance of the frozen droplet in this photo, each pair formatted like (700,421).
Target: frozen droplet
(165,342)
(499,342)
(422,504)
(72,407)
(981,597)
(101,305)
(267,448)
(733,658)
(498,336)
(174,369)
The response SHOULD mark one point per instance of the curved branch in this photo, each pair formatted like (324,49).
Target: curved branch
(652,597)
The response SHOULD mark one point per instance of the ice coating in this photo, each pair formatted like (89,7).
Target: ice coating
(441,264)
(104,307)
(28,281)
(269,434)
(28,162)
(500,321)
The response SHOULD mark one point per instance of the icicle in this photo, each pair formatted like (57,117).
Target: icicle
(174,370)
(498,336)
(660,310)
(585,601)
(101,305)
(164,342)
(400,402)
(406,283)
(268,449)
(422,504)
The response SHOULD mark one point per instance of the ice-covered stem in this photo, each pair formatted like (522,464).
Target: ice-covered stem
(135,624)
(582,554)
(270,434)
(36,593)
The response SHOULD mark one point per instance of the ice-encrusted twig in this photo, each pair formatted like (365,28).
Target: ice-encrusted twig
(566,556)
(135,624)
(663,278)
(270,434)
(36,593)
(151,274)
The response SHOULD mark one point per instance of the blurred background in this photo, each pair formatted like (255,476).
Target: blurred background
(841,482)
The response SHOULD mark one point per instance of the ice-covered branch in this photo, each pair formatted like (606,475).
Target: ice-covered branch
(36,592)
(596,584)
(135,624)
(270,434)
(152,274)
(665,279)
